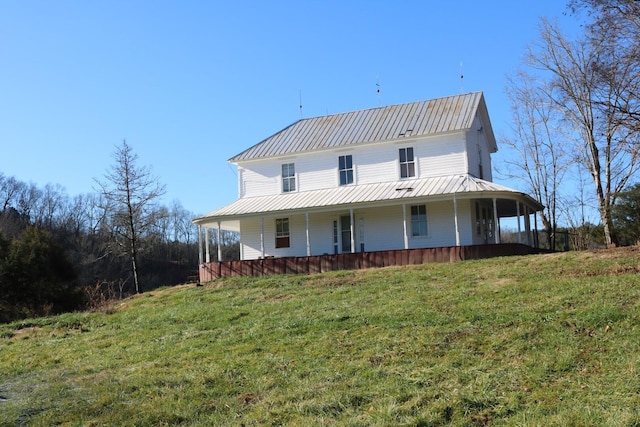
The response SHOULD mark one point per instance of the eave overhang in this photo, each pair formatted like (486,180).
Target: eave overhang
(370,195)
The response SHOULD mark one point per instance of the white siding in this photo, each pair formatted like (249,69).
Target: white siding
(442,156)
(477,146)
(318,171)
(383,230)
(260,178)
(374,163)
(250,238)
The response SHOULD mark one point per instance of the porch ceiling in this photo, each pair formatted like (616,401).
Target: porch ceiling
(437,188)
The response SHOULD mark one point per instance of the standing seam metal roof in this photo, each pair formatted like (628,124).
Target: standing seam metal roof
(415,119)
(367,193)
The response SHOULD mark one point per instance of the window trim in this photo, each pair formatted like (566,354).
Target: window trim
(407,166)
(349,175)
(289,178)
(417,219)
(283,233)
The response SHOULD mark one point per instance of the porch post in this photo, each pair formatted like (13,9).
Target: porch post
(200,245)
(308,241)
(404,225)
(496,234)
(527,225)
(207,256)
(536,238)
(455,219)
(353,237)
(219,243)
(262,236)
(518,216)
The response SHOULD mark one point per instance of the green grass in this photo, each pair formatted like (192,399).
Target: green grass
(518,341)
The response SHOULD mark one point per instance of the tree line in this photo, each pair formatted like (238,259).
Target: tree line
(61,252)
(575,137)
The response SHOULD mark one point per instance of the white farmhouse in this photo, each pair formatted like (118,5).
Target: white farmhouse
(415,175)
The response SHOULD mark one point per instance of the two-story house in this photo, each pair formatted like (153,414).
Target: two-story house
(415,175)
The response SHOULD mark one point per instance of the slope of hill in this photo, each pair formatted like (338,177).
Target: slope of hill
(538,340)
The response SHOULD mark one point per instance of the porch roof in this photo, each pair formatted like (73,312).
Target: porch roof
(436,188)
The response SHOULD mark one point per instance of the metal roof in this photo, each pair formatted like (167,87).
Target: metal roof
(354,195)
(415,119)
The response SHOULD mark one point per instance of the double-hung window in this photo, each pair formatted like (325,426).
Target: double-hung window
(418,220)
(282,233)
(345,166)
(407,163)
(288,177)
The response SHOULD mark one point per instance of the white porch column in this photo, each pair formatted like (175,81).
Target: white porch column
(353,235)
(207,256)
(455,219)
(308,241)
(535,224)
(404,226)
(219,243)
(496,234)
(518,216)
(200,257)
(262,236)
(527,225)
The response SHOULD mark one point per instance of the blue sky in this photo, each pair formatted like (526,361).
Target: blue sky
(189,84)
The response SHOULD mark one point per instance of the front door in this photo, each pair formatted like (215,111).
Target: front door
(345,233)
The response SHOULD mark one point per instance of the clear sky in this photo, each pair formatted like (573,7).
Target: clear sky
(189,84)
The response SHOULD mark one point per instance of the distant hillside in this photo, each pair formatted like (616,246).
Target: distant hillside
(534,340)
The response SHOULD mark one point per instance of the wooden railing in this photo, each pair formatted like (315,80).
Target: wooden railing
(353,261)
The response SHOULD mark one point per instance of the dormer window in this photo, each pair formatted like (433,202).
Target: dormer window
(407,163)
(345,167)
(288,177)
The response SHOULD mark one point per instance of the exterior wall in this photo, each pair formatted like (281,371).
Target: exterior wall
(372,164)
(379,229)
(478,152)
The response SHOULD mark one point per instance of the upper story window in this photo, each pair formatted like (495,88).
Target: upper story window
(407,163)
(288,177)
(345,166)
(418,220)
(282,233)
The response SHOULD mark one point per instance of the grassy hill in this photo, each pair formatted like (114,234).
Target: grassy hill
(522,341)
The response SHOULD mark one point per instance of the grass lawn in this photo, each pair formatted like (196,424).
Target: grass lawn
(517,341)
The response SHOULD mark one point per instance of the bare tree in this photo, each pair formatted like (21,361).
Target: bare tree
(10,189)
(132,193)
(540,161)
(618,21)
(605,145)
